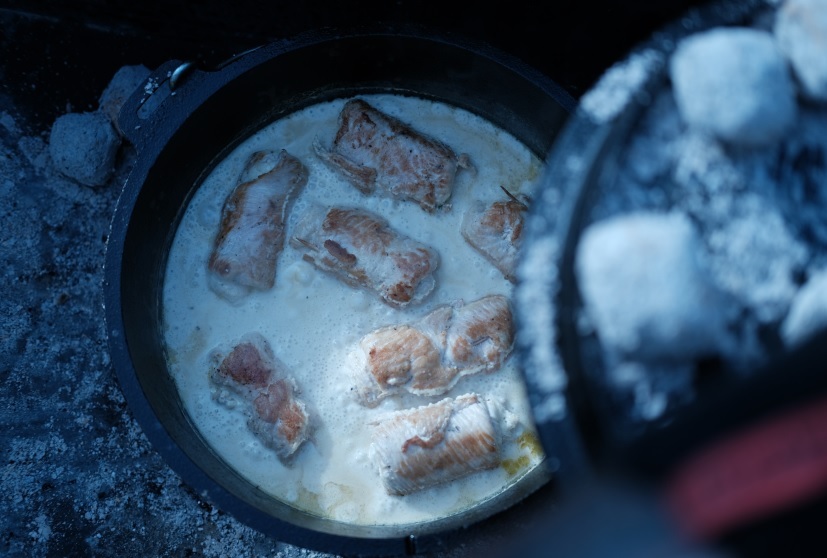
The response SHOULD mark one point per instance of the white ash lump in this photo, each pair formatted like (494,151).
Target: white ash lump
(84,146)
(808,312)
(801,30)
(734,84)
(646,290)
(125,81)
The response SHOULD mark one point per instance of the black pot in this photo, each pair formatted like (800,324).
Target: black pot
(183,122)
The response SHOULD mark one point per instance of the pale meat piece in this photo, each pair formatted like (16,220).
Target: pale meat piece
(361,249)
(429,356)
(245,369)
(253,221)
(268,393)
(496,231)
(374,150)
(481,334)
(419,448)
(279,419)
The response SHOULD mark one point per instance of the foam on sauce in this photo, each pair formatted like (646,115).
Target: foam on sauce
(313,321)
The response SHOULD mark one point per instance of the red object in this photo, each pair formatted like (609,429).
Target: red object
(767,468)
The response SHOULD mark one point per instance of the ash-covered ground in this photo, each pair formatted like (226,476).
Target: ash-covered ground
(77,475)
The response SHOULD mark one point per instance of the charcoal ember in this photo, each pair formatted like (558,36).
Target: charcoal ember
(125,81)
(83,146)
(801,31)
(734,84)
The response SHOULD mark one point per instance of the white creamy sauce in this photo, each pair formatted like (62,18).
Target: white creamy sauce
(313,321)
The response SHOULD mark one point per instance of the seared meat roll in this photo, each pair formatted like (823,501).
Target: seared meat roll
(429,356)
(374,150)
(279,419)
(253,221)
(361,249)
(496,231)
(418,448)
(251,370)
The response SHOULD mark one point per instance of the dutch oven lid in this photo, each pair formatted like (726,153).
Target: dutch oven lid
(576,423)
(554,354)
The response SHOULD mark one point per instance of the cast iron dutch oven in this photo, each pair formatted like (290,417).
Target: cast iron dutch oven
(183,122)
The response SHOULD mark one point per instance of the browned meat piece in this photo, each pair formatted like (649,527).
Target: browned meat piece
(246,369)
(362,250)
(496,232)
(438,443)
(429,356)
(481,334)
(253,221)
(403,358)
(373,149)
(280,420)
(268,393)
